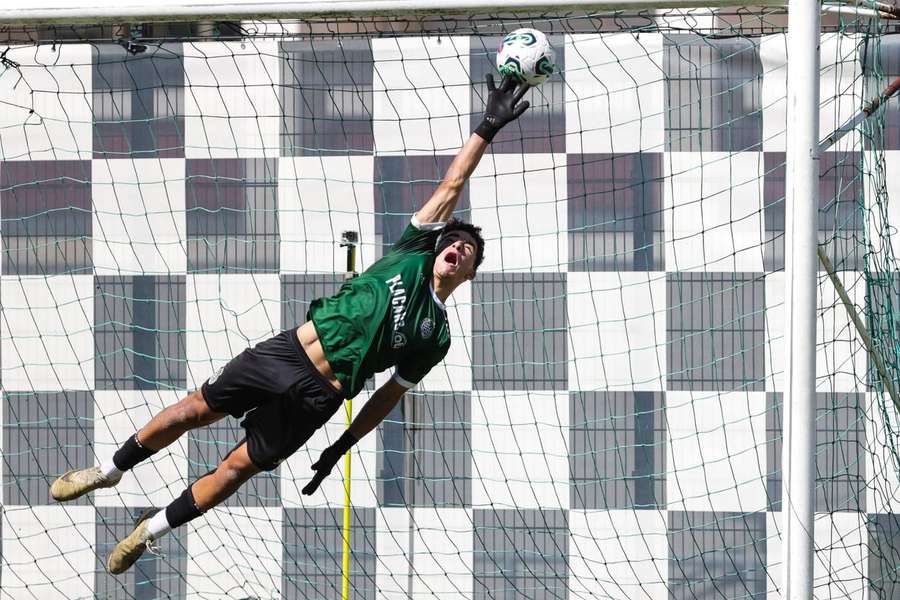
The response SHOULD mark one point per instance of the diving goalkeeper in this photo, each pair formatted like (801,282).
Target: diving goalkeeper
(392,315)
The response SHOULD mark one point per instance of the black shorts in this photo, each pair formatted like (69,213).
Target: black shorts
(286,399)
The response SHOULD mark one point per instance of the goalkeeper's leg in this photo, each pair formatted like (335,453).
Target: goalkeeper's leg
(167,426)
(208,491)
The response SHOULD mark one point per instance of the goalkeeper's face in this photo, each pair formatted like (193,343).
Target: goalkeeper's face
(456,261)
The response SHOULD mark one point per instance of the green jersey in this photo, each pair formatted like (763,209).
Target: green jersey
(387,316)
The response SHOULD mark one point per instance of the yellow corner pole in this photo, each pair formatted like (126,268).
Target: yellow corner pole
(349,240)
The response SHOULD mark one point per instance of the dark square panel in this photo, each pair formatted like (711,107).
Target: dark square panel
(840,452)
(884,556)
(232,215)
(521,553)
(326,96)
(617,450)
(717,555)
(153,576)
(139,332)
(313,551)
(208,446)
(519,331)
(47,217)
(403,184)
(615,212)
(425,451)
(138,101)
(841,220)
(881,64)
(45,434)
(542,128)
(713,93)
(716,331)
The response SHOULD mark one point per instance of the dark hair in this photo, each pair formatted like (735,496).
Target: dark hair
(455,224)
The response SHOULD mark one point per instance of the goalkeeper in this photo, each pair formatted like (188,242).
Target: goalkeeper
(392,315)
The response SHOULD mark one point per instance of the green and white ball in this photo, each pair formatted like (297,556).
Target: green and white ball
(527,55)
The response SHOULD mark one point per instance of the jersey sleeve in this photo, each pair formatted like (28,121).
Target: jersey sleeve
(418,237)
(416,366)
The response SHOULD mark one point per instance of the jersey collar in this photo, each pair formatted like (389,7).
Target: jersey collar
(436,299)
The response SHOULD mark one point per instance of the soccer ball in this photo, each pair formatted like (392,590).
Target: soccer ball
(526,54)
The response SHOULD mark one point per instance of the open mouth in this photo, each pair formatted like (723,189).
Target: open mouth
(451,258)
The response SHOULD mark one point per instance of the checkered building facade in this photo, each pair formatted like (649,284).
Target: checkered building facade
(607,423)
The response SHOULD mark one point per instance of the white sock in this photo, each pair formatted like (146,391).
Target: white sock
(158,525)
(109,469)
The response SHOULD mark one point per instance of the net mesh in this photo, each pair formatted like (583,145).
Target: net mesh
(608,421)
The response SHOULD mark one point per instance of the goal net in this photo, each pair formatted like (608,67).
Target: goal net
(608,421)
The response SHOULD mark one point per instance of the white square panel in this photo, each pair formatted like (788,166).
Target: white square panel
(48,340)
(616,92)
(714,211)
(235,553)
(421,94)
(882,468)
(139,216)
(53,81)
(154,482)
(617,331)
(231,103)
(49,549)
(618,554)
(716,457)
(226,314)
(392,547)
(443,553)
(318,199)
(296,470)
(840,355)
(840,560)
(519,201)
(882,217)
(520,449)
(840,88)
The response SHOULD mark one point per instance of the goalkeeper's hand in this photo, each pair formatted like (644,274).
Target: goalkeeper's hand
(503,105)
(327,460)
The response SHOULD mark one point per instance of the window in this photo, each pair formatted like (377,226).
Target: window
(44,435)
(232,215)
(840,451)
(154,575)
(403,184)
(326,95)
(46,216)
(542,129)
(617,452)
(717,555)
(713,94)
(138,102)
(425,451)
(521,553)
(519,331)
(139,332)
(313,551)
(716,331)
(841,214)
(208,446)
(615,212)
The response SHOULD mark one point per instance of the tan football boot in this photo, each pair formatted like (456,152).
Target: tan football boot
(78,482)
(132,547)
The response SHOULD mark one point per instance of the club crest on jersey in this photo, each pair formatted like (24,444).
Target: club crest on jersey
(426,328)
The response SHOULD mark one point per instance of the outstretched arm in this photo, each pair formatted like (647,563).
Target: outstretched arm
(503,105)
(374,411)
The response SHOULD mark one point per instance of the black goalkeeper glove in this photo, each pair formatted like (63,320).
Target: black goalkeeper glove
(328,459)
(502,106)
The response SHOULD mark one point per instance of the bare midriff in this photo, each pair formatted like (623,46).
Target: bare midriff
(309,339)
